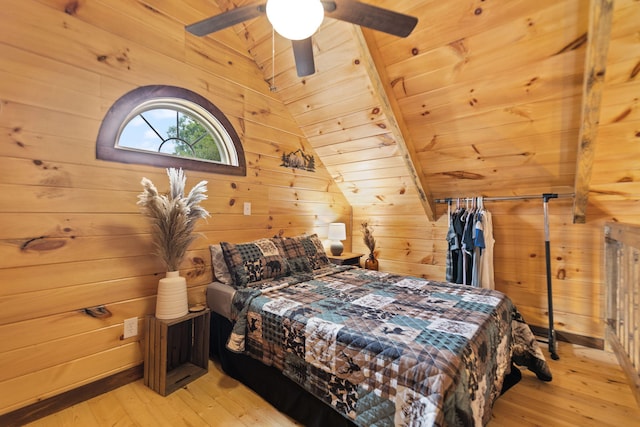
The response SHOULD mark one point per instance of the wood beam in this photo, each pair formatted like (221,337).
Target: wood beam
(600,21)
(382,88)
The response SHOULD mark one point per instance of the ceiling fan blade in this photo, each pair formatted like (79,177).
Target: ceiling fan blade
(373,17)
(226,19)
(303,54)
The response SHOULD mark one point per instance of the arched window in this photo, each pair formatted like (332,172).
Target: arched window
(170,127)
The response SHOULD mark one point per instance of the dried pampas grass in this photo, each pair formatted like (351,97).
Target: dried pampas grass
(367,236)
(173,216)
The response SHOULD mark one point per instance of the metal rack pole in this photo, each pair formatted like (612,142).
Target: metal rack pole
(547,251)
(503,198)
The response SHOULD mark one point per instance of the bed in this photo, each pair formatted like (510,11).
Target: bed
(360,347)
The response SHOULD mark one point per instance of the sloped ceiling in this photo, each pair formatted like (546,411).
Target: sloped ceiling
(483,98)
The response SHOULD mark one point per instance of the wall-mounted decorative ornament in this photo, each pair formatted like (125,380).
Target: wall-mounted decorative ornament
(299,160)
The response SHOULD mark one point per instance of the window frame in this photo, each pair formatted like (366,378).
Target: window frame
(121,111)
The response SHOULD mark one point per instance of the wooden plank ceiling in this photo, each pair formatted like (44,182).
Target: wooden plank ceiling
(483,98)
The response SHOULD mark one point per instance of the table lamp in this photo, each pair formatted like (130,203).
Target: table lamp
(337,232)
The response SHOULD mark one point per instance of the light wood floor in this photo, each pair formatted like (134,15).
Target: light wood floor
(588,389)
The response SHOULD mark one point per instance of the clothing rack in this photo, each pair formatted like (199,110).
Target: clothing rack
(547,247)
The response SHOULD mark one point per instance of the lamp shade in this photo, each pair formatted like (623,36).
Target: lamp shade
(295,19)
(337,231)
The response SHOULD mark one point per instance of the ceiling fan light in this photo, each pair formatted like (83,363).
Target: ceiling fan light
(295,19)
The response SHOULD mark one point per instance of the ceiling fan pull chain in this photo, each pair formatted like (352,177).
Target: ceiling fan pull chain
(273,88)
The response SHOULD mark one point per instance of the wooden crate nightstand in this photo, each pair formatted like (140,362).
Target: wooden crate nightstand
(345,258)
(176,351)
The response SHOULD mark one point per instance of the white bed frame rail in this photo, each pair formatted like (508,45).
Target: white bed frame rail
(622,300)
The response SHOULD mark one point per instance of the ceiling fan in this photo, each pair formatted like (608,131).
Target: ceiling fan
(297,20)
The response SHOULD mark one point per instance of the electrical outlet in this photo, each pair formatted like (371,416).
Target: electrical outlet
(247,208)
(130,327)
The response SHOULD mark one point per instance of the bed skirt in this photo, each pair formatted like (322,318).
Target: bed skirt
(282,393)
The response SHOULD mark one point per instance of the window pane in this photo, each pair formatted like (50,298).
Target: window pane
(193,139)
(173,132)
(138,135)
(162,125)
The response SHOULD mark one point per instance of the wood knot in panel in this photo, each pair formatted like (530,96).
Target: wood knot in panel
(199,267)
(463,175)
(151,8)
(620,117)
(428,260)
(531,82)
(42,244)
(635,71)
(71,8)
(460,47)
(575,44)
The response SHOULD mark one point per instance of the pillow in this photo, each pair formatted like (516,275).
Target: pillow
(292,250)
(314,250)
(253,261)
(219,266)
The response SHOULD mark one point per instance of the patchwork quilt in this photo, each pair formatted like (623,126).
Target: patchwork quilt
(387,350)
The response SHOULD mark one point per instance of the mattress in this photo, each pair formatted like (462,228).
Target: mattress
(219,298)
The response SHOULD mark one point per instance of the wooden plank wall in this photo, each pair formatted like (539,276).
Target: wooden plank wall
(407,244)
(72,235)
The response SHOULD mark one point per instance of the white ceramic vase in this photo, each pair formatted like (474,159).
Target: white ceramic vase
(171,301)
